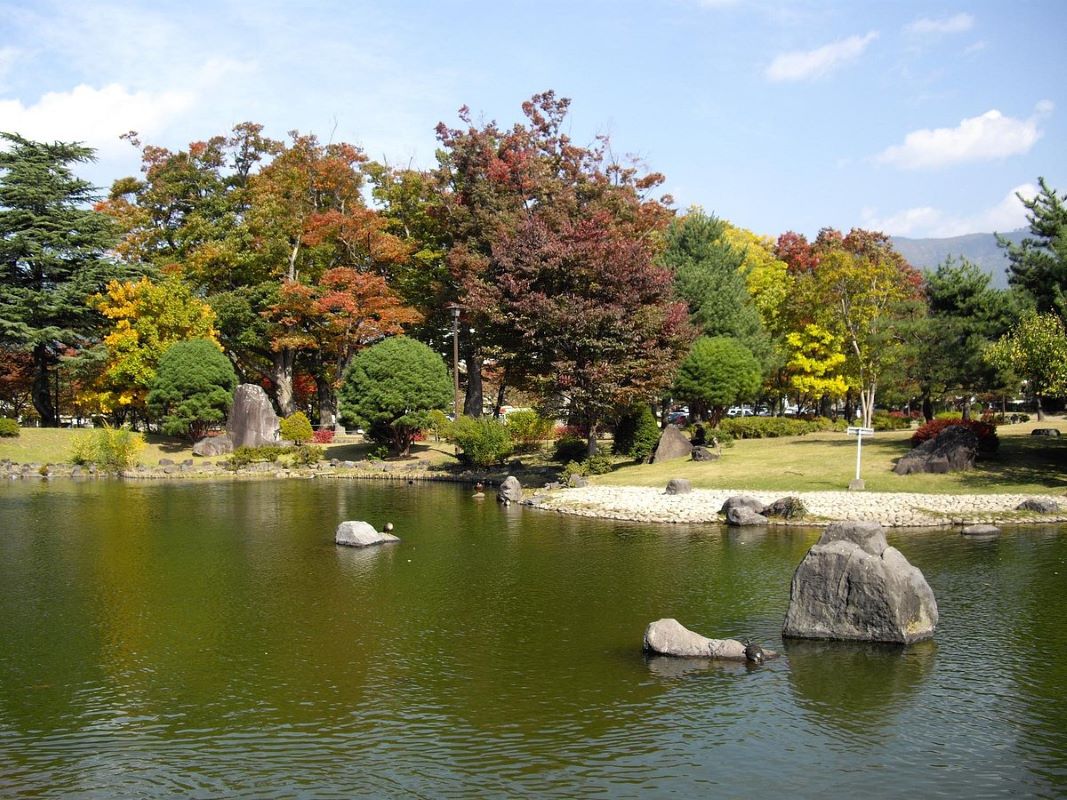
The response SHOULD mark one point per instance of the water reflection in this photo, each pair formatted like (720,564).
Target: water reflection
(857,687)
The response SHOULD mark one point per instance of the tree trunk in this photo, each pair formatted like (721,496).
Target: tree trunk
(472,404)
(850,407)
(1040,413)
(42,392)
(590,442)
(928,407)
(500,396)
(967,408)
(327,403)
(282,376)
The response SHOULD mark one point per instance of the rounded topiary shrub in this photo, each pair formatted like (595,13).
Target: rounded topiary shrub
(484,441)
(9,427)
(636,434)
(390,388)
(296,428)
(193,388)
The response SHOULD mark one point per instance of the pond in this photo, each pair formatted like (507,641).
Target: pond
(209,640)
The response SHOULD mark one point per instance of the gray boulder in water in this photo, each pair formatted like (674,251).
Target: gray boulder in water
(356,533)
(510,490)
(669,637)
(852,585)
(252,422)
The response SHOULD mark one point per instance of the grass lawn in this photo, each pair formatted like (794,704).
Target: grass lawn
(827,462)
(816,462)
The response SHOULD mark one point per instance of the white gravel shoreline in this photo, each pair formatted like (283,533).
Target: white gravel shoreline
(646,504)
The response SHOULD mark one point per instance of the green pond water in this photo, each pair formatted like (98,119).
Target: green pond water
(209,640)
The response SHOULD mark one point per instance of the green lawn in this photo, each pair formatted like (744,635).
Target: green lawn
(816,462)
(827,462)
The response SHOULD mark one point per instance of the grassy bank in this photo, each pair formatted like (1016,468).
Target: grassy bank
(827,462)
(816,462)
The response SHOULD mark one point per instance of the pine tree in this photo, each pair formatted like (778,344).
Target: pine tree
(52,257)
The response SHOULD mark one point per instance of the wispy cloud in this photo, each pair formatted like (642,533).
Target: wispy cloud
(986,137)
(957,23)
(923,221)
(800,65)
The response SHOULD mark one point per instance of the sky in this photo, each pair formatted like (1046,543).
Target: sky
(914,118)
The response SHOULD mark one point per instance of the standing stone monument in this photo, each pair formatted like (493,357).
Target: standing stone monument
(252,422)
(672,444)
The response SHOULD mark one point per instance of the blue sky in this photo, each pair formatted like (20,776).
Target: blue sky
(917,118)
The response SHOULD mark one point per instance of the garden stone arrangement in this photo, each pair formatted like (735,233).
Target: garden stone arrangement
(852,585)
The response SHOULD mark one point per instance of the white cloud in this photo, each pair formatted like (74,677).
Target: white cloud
(925,221)
(94,116)
(958,23)
(983,138)
(803,64)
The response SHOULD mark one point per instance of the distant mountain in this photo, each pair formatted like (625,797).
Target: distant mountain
(981,248)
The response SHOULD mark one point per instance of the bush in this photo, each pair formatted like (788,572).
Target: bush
(599,464)
(636,434)
(193,388)
(888,421)
(942,415)
(9,427)
(528,429)
(484,440)
(438,422)
(296,428)
(766,427)
(985,431)
(112,449)
(243,456)
(390,388)
(570,448)
(322,436)
(306,455)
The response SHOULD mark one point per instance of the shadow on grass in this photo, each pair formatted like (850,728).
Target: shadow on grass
(168,444)
(1037,460)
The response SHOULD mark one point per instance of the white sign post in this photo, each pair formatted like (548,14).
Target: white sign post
(859,433)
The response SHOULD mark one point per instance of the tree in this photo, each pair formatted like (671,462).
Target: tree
(16,382)
(147,318)
(593,312)
(964,315)
(855,286)
(193,388)
(814,364)
(390,388)
(493,184)
(717,373)
(708,276)
(1036,348)
(52,257)
(1038,264)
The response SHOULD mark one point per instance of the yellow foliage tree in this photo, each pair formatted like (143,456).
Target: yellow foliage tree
(147,317)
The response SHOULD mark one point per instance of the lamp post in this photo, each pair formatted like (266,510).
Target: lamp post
(454,308)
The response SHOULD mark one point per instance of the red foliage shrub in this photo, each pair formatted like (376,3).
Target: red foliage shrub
(322,436)
(985,431)
(569,431)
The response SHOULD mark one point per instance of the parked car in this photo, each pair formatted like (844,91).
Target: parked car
(679,418)
(739,411)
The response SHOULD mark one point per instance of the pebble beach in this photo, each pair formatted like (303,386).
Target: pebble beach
(644,504)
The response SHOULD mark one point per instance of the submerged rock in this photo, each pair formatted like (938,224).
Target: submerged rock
(356,533)
(980,530)
(739,500)
(742,516)
(669,637)
(852,585)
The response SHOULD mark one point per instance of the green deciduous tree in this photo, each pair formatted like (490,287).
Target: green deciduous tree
(1036,349)
(390,388)
(52,257)
(193,388)
(718,372)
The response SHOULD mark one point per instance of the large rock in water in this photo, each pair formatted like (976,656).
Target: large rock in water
(853,585)
(670,638)
(356,533)
(672,445)
(252,422)
(952,450)
(510,490)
